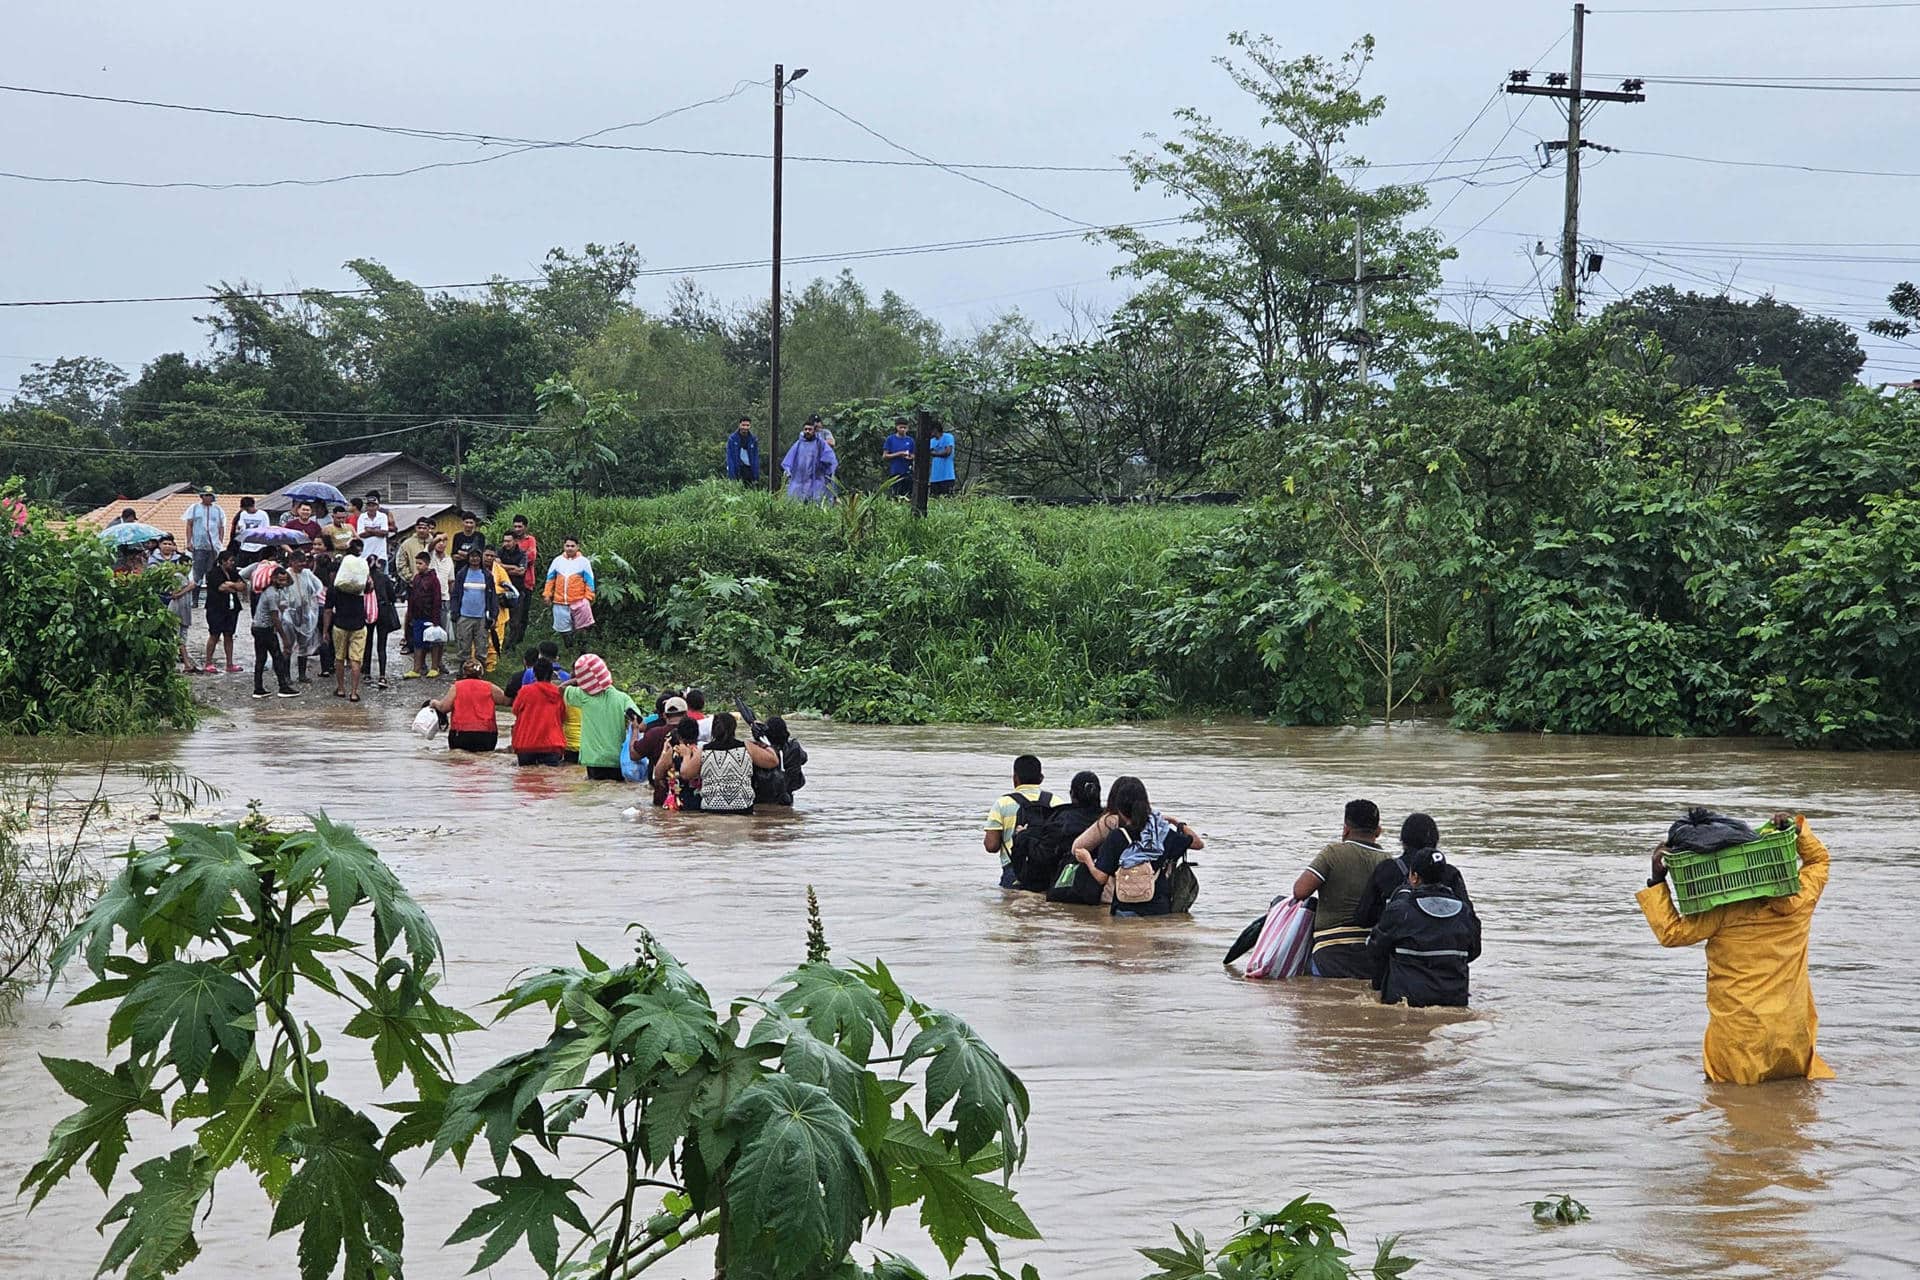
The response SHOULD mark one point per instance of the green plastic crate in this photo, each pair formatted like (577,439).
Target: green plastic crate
(1765,868)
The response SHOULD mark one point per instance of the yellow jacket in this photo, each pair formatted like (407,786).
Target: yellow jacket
(1761,1022)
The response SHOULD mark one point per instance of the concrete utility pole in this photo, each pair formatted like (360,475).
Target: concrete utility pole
(1569,88)
(780,82)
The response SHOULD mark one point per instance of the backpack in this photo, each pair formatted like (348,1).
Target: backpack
(793,759)
(1029,814)
(770,786)
(1075,886)
(1039,849)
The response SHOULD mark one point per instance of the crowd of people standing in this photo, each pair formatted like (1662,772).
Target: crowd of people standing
(333,598)
(811,465)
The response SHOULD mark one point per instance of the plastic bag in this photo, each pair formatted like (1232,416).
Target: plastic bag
(351,576)
(434,634)
(1704,831)
(1286,938)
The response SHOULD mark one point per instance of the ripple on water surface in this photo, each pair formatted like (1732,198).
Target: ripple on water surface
(1163,1089)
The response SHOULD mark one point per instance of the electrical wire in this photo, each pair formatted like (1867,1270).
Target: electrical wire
(582,143)
(957,172)
(1759,8)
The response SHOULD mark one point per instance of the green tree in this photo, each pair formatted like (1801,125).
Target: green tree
(1714,338)
(84,390)
(212,433)
(1273,225)
(578,296)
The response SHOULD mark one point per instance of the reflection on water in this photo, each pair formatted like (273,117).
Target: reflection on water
(1164,1088)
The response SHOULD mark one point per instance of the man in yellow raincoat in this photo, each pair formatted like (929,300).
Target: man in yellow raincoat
(1761,1022)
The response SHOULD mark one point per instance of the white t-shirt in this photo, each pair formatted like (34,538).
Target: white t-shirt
(373,530)
(247,521)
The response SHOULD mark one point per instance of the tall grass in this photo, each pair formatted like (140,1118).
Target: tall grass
(983,611)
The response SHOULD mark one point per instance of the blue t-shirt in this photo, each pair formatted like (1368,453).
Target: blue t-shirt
(941,468)
(472,586)
(526,677)
(900,466)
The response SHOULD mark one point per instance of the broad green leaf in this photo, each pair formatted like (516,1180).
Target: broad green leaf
(98,1131)
(694,1105)
(956,1207)
(840,1008)
(988,1099)
(158,1237)
(122,905)
(801,1189)
(338,1195)
(498,1099)
(657,1023)
(807,1057)
(403,1020)
(350,870)
(1388,1262)
(881,981)
(527,1203)
(204,1008)
(543,987)
(280,1105)
(210,869)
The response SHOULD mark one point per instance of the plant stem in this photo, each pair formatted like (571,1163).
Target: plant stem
(253,1109)
(707,1228)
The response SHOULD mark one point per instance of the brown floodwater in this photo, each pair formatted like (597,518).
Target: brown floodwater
(1164,1088)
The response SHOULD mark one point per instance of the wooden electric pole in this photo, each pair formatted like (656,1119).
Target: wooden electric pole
(922,459)
(1569,88)
(780,82)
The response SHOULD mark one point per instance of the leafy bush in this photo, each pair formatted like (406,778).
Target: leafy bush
(1842,627)
(1303,1241)
(984,610)
(83,650)
(1582,663)
(211,944)
(783,1127)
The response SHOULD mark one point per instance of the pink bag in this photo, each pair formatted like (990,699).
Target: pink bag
(1284,942)
(582,611)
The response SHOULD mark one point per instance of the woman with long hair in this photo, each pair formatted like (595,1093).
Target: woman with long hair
(723,768)
(1130,849)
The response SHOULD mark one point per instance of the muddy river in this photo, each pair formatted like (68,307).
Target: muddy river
(1165,1089)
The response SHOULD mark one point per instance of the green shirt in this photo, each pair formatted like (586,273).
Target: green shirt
(1344,868)
(603,725)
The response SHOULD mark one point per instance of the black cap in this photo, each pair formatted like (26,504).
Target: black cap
(1428,864)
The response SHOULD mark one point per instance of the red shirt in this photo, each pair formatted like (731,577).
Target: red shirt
(530,547)
(309,527)
(473,707)
(537,711)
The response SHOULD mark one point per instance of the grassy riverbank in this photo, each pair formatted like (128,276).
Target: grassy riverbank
(984,611)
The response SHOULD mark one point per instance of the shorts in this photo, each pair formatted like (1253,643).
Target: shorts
(222,624)
(417,632)
(562,619)
(350,646)
(940,488)
(604,773)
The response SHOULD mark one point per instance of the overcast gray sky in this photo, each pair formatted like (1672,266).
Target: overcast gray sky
(1054,84)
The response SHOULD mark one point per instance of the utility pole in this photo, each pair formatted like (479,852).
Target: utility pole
(459,490)
(1570,88)
(780,82)
(1360,296)
(922,459)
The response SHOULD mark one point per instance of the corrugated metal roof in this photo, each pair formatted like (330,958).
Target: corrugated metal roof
(340,473)
(164,509)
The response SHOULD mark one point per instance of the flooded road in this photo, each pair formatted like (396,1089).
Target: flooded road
(1163,1088)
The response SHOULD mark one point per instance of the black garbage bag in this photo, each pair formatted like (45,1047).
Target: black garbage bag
(1704,831)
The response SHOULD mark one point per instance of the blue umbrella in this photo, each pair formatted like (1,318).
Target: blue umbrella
(273,535)
(317,491)
(121,535)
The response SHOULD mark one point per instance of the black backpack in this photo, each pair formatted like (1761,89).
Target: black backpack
(1030,814)
(1041,849)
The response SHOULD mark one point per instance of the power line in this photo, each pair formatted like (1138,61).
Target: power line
(1779,84)
(530,144)
(955,170)
(1762,8)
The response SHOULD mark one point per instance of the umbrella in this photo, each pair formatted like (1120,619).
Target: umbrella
(121,535)
(273,535)
(316,491)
